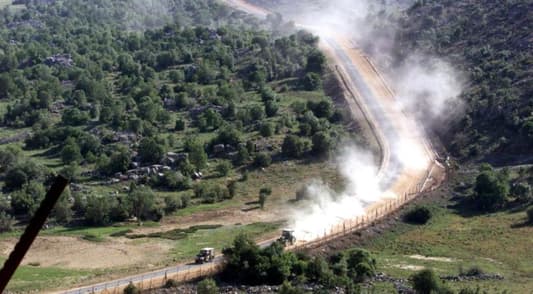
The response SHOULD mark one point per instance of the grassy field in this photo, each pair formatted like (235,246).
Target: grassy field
(497,243)
(31,278)
(34,277)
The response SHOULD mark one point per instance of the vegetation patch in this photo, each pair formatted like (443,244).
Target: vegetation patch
(176,234)
(121,233)
(92,238)
(418,215)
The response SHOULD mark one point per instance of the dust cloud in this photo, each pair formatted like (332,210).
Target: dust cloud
(426,87)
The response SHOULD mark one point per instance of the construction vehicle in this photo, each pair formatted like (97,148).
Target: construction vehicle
(205,255)
(287,237)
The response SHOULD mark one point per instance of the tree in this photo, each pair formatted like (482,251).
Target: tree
(180,125)
(271,108)
(242,156)
(197,154)
(262,159)
(316,62)
(293,146)
(322,109)
(322,143)
(97,211)
(267,129)
(210,119)
(71,152)
(242,260)
(74,117)
(26,200)
(207,286)
(425,282)
(490,191)
(131,289)
(223,168)
(311,81)
(62,211)
(263,194)
(23,172)
(150,151)
(172,203)
(140,202)
(228,136)
(257,112)
(119,161)
(232,188)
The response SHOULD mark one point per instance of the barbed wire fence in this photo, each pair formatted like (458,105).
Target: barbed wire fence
(372,215)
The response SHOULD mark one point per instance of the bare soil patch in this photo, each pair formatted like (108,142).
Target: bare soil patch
(75,253)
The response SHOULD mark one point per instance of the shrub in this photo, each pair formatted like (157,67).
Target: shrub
(223,168)
(311,82)
(474,271)
(262,159)
(293,146)
(92,238)
(425,282)
(170,283)
(207,286)
(361,265)
(131,289)
(121,233)
(211,193)
(490,191)
(418,215)
(172,203)
(267,129)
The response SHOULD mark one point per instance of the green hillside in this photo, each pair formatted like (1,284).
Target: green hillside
(491,42)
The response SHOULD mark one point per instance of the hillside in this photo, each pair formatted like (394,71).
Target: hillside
(191,114)
(491,42)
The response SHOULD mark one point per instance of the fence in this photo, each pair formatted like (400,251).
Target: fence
(379,210)
(156,280)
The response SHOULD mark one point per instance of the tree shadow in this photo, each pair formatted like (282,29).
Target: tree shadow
(49,153)
(523,224)
(251,208)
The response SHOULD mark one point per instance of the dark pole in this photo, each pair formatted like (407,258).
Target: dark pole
(29,235)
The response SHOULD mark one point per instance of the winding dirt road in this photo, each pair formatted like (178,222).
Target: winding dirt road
(408,163)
